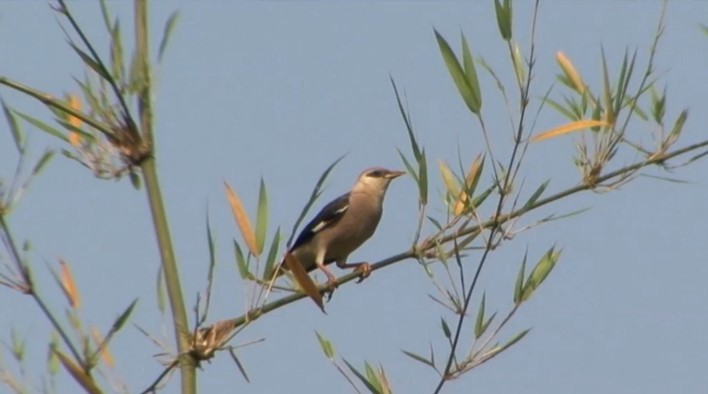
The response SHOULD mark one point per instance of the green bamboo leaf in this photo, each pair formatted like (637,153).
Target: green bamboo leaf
(435,222)
(44,127)
(464,83)
(534,197)
(313,197)
(419,358)
(503,18)
(52,359)
(362,378)
(520,68)
(471,73)
(166,34)
(479,321)
(261,217)
(445,328)
(241,262)
(607,91)
(560,108)
(91,62)
(498,349)
(17,345)
(423,175)
(17,136)
(408,165)
(272,256)
(704,29)
(326,346)
(120,321)
(372,376)
(42,162)
(658,105)
(479,200)
(540,272)
(519,284)
(117,62)
(135,180)
(161,293)
(211,243)
(678,126)
(406,119)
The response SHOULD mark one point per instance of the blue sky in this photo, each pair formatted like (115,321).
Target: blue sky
(279,90)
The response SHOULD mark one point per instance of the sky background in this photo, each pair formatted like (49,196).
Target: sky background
(281,89)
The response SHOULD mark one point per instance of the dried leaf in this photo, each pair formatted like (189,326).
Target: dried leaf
(244,224)
(568,128)
(69,285)
(304,280)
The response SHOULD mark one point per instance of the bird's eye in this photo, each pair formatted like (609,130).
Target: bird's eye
(376,173)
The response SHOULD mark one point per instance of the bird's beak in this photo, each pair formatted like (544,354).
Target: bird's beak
(395,174)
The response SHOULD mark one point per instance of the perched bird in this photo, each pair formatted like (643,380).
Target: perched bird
(343,225)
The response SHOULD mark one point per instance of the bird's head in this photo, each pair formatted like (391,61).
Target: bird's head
(376,180)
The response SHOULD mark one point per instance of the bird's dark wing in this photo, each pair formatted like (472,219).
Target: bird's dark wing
(329,215)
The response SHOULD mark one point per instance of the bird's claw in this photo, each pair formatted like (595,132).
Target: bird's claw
(330,287)
(364,271)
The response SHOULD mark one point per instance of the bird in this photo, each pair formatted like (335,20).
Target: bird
(343,225)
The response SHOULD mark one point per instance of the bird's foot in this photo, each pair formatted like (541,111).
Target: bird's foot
(364,270)
(330,286)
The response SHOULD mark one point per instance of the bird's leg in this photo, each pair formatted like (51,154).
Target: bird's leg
(363,268)
(331,280)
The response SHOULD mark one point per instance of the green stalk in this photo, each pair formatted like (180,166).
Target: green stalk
(159,217)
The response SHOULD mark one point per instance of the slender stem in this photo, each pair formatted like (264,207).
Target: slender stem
(159,216)
(24,271)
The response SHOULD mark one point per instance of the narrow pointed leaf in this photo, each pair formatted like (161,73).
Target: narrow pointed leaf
(534,197)
(313,197)
(503,13)
(91,62)
(408,166)
(458,75)
(572,75)
(166,34)
(406,119)
(540,272)
(261,217)
(362,378)
(161,292)
(471,181)
(69,285)
(423,176)
(520,278)
(17,136)
(241,263)
(419,358)
(42,162)
(117,63)
(123,318)
(479,321)
(240,367)
(499,349)
(272,256)
(520,68)
(304,280)
(44,127)
(569,128)
(445,328)
(471,72)
(449,179)
(326,346)
(242,221)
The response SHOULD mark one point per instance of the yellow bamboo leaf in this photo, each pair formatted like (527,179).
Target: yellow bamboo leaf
(244,224)
(570,72)
(472,174)
(77,372)
(303,279)
(106,355)
(69,285)
(449,179)
(569,128)
(74,103)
